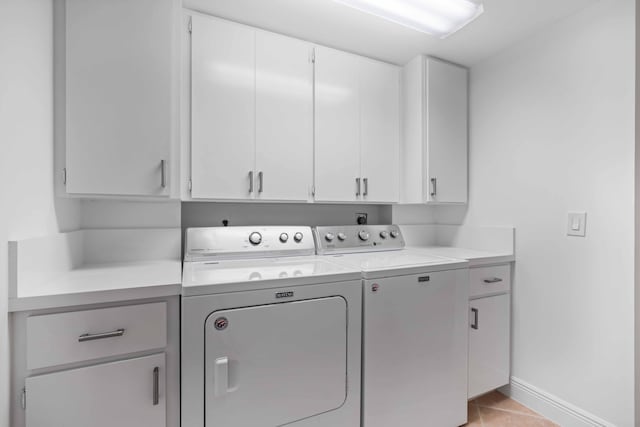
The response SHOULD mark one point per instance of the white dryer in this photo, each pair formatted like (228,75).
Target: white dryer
(271,333)
(414,327)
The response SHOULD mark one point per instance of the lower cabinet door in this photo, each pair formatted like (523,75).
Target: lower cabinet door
(489,343)
(128,393)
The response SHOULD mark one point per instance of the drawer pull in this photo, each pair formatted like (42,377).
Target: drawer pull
(92,337)
(493,280)
(156,386)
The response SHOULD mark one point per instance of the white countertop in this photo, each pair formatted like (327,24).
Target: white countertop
(47,275)
(475,258)
(91,284)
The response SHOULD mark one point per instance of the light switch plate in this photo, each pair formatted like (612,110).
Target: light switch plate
(577,224)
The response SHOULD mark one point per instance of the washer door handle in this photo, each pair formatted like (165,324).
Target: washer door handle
(221,376)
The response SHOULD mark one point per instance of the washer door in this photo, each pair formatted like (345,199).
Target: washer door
(275,364)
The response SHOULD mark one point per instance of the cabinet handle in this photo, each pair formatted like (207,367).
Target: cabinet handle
(100,336)
(260,181)
(492,280)
(358,186)
(163,173)
(366,186)
(221,376)
(434,187)
(250,181)
(156,386)
(474,325)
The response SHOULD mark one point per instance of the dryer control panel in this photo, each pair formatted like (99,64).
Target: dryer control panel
(357,238)
(216,243)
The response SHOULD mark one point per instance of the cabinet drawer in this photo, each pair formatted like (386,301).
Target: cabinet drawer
(56,339)
(489,280)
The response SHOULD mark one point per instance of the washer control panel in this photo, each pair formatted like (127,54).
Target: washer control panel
(357,238)
(215,243)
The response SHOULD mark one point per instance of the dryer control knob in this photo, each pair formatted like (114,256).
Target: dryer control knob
(384,234)
(329,237)
(255,238)
(363,235)
(298,237)
(284,237)
(395,234)
(342,237)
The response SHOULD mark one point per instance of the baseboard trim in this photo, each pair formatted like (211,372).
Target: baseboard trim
(550,406)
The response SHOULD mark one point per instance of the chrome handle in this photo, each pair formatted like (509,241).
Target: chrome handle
(163,173)
(221,376)
(474,325)
(260,181)
(156,386)
(358,186)
(493,280)
(103,335)
(366,186)
(434,186)
(250,181)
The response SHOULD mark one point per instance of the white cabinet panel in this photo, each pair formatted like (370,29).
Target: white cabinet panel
(56,339)
(435,132)
(223,109)
(379,131)
(249,379)
(415,349)
(284,118)
(447,98)
(337,125)
(113,394)
(489,338)
(118,96)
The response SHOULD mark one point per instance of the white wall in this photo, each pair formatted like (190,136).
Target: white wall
(552,131)
(28,205)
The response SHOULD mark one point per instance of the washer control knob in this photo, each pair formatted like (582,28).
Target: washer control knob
(342,237)
(255,238)
(364,235)
(284,237)
(329,237)
(394,233)
(384,234)
(298,237)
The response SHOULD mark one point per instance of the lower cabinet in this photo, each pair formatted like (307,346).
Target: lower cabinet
(127,393)
(489,335)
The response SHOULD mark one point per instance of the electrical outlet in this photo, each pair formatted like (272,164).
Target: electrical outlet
(361,218)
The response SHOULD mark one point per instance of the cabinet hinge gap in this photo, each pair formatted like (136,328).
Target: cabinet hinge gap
(23,398)
(313,55)
(190,185)
(64,176)
(190,26)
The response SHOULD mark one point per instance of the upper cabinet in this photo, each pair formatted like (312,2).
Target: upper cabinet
(435,124)
(251,113)
(119,85)
(357,128)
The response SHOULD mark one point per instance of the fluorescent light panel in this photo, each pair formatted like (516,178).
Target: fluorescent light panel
(440,18)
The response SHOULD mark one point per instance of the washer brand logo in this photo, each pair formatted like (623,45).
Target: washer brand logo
(221,323)
(287,294)
(424,279)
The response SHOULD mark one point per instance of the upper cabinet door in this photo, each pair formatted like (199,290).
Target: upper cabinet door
(337,126)
(118,96)
(222,109)
(379,131)
(447,117)
(284,118)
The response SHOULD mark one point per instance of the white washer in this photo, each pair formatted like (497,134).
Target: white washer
(271,333)
(415,322)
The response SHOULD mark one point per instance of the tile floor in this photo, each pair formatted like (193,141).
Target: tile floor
(497,410)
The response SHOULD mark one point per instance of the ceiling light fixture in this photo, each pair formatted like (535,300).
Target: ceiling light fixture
(440,18)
